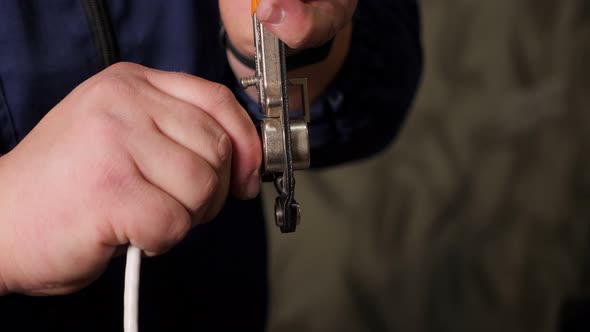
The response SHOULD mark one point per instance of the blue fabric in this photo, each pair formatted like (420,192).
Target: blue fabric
(216,278)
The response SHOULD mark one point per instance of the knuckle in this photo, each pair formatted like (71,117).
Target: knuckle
(221,94)
(202,179)
(224,149)
(112,177)
(108,86)
(124,67)
(112,169)
(174,224)
(183,225)
(215,194)
(112,174)
(188,163)
(161,227)
(120,79)
(253,149)
(104,130)
(100,125)
(207,185)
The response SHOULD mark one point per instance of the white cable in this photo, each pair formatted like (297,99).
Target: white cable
(131,293)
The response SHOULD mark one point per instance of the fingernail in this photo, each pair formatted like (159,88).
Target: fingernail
(253,185)
(270,14)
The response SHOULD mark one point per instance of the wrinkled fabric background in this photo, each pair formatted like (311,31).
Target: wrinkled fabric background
(478,217)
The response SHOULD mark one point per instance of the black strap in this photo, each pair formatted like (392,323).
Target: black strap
(303,58)
(103,35)
(249,62)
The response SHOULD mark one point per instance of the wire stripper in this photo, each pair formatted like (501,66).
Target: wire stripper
(285,138)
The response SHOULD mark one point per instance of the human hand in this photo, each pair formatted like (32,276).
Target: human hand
(299,23)
(132,155)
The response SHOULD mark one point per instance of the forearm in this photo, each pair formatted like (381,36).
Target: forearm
(319,75)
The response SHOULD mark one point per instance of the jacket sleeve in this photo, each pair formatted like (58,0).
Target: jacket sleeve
(364,108)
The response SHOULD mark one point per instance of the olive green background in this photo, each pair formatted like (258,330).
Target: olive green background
(478,217)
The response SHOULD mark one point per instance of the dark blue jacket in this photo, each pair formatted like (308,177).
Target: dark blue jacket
(215,280)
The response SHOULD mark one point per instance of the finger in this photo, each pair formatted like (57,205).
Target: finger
(148,218)
(180,121)
(220,103)
(191,127)
(305,24)
(180,172)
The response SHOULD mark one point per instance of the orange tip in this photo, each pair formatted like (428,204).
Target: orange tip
(254,6)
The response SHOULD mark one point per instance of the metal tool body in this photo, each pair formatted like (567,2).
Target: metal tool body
(285,139)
